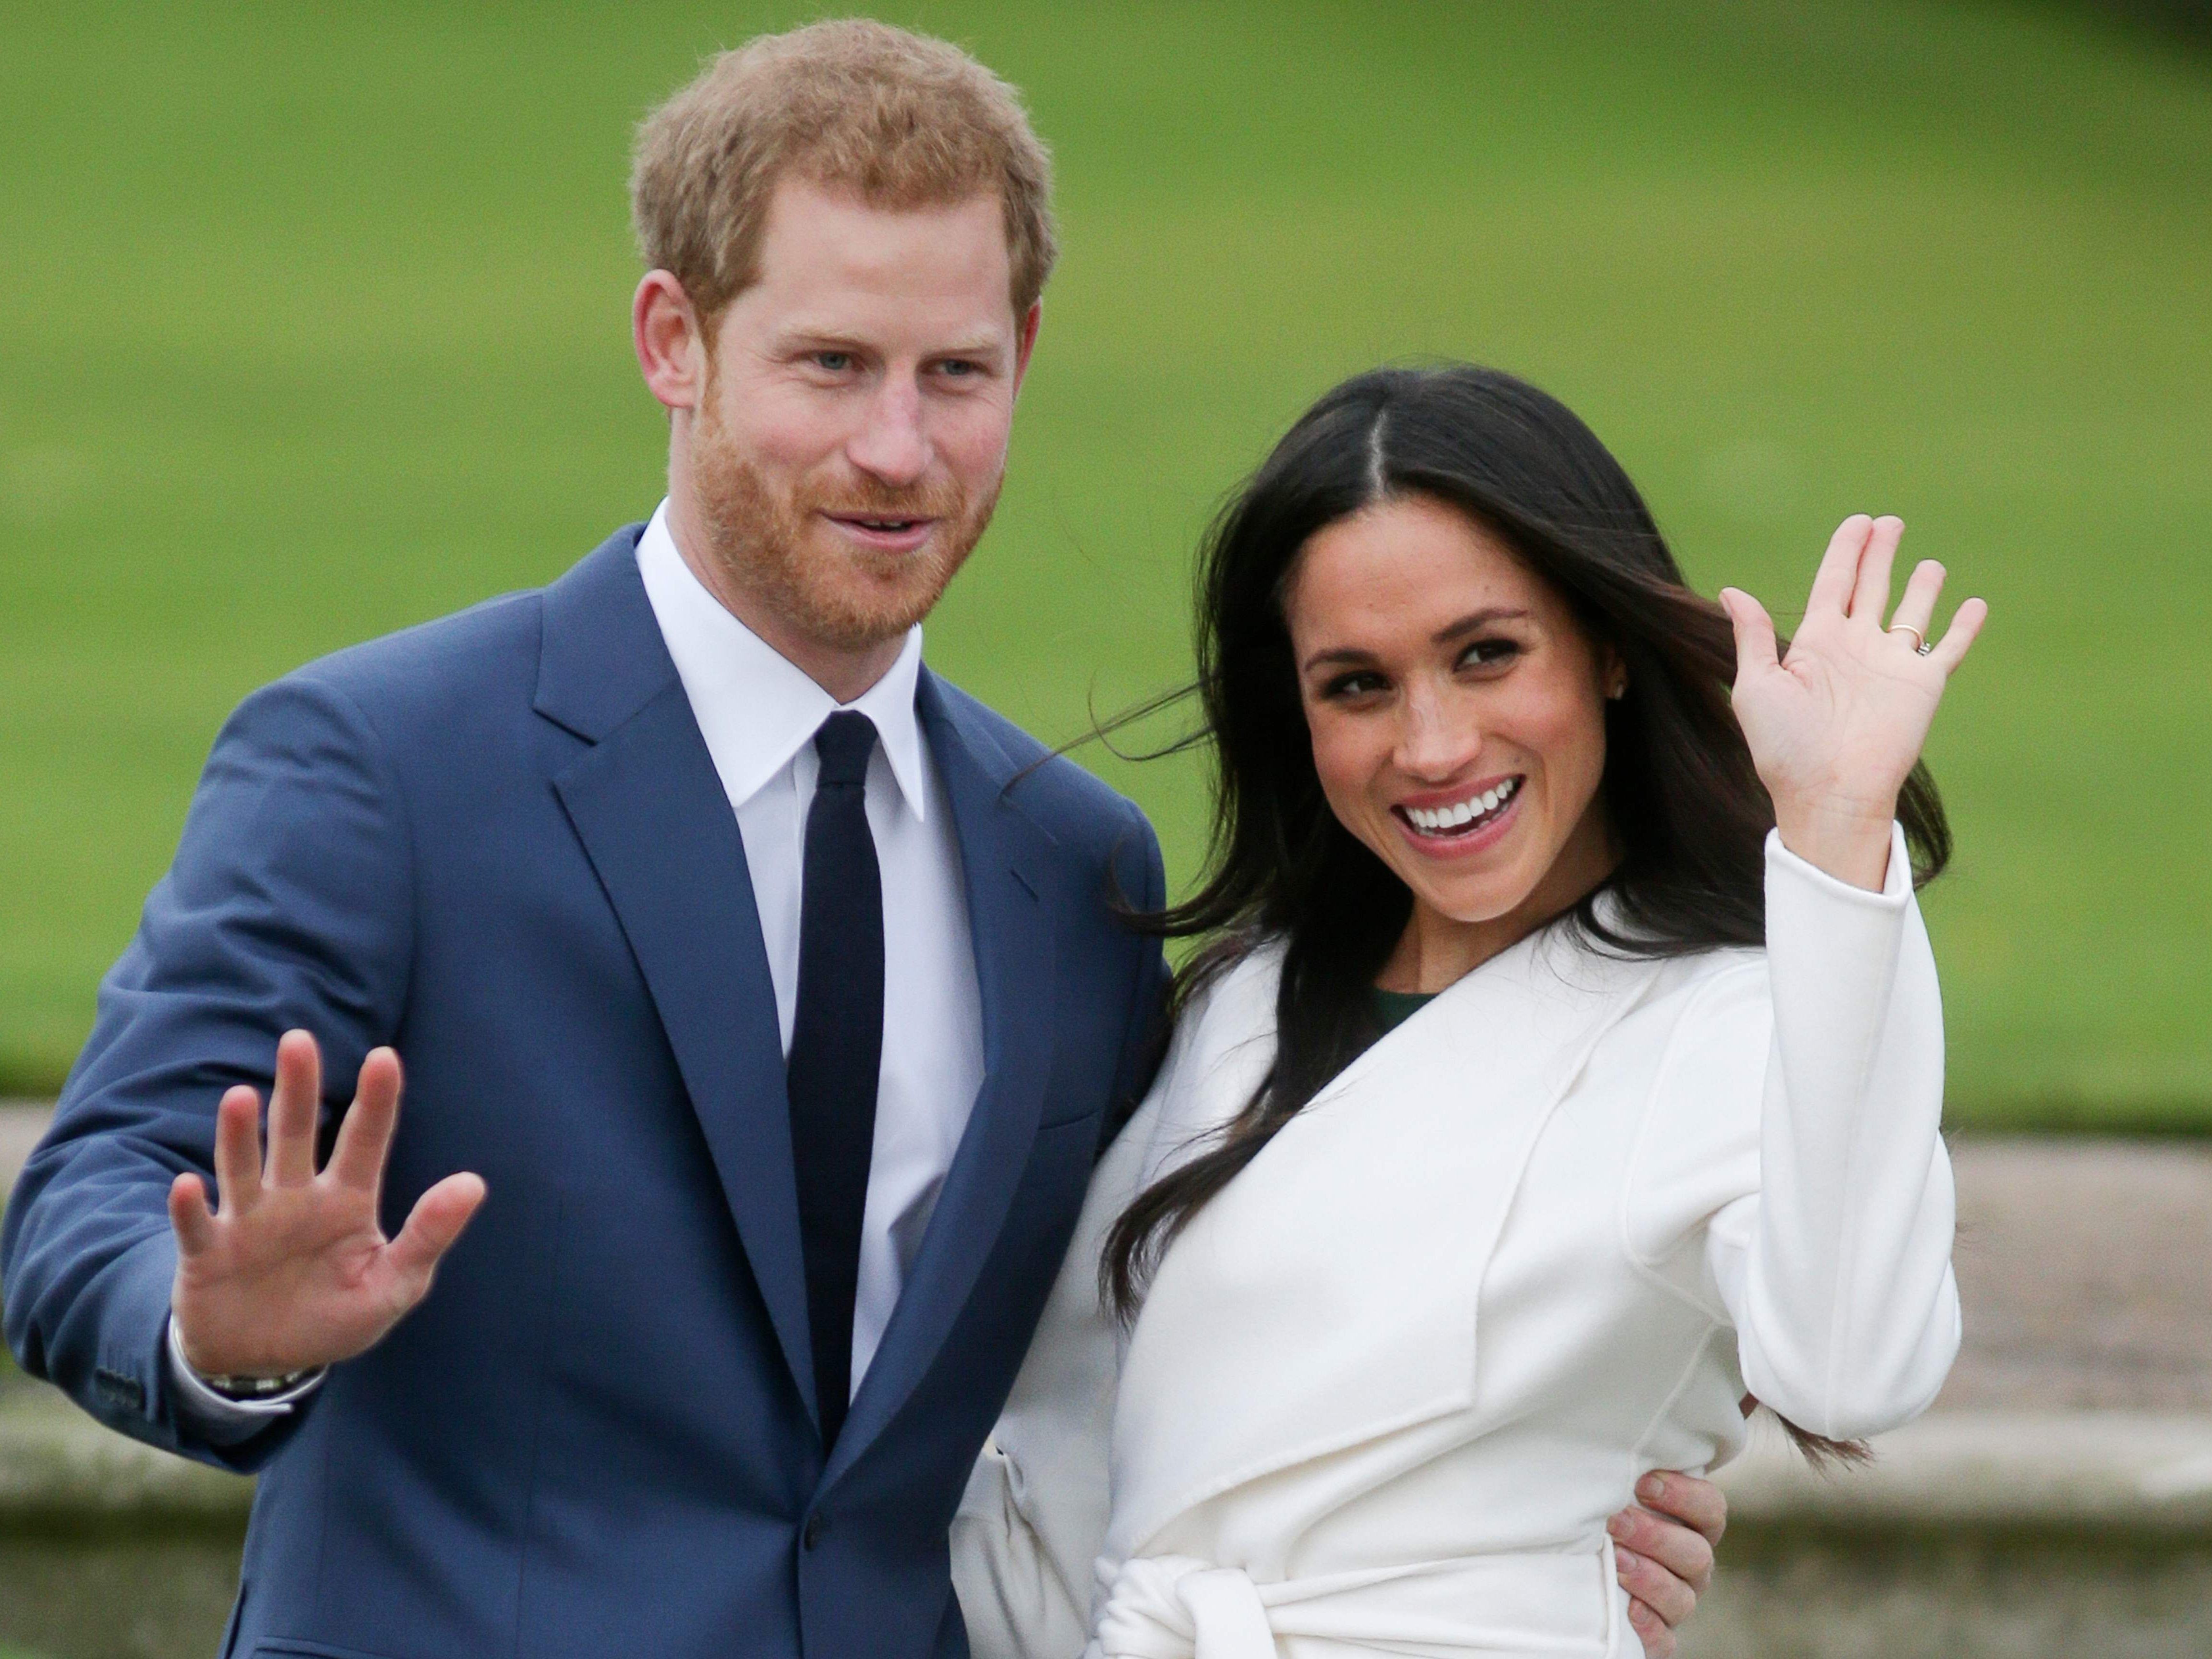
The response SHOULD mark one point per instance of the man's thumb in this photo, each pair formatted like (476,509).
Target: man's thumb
(437,1220)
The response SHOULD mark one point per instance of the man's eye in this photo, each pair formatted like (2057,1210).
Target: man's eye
(959,368)
(836,362)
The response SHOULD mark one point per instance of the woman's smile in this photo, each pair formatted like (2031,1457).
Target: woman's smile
(1457,822)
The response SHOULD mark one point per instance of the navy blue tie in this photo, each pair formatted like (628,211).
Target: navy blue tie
(837,1049)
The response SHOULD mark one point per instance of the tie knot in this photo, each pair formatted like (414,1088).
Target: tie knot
(844,743)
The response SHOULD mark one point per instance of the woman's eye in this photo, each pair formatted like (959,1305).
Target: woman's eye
(1357,684)
(1489,653)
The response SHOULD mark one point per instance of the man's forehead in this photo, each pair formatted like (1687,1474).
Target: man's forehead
(811,231)
(835,270)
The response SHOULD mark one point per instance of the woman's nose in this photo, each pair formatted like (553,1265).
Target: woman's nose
(1434,739)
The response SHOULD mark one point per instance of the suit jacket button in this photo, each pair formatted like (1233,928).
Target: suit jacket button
(810,1534)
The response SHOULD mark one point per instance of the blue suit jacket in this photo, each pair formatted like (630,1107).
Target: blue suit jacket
(497,842)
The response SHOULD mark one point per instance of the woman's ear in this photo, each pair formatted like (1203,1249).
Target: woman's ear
(1612,673)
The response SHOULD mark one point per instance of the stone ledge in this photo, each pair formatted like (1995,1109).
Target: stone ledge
(21,1123)
(2077,1471)
(60,1471)
(2081,1472)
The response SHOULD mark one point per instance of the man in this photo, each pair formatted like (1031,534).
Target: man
(762,999)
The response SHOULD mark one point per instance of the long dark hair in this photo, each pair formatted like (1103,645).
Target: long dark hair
(1687,813)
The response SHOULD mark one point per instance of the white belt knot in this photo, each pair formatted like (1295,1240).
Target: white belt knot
(1175,1607)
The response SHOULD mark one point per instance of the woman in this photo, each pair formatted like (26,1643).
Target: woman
(1564,1065)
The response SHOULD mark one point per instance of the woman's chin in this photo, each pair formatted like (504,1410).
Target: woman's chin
(1469,903)
(1470,895)
(1470,880)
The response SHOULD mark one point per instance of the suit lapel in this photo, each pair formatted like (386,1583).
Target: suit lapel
(649,809)
(1004,857)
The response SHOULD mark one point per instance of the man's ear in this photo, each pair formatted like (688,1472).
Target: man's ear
(1025,342)
(671,342)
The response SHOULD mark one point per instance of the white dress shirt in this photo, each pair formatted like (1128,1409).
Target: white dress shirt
(758,714)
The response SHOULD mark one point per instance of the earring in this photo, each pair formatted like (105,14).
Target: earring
(1618,690)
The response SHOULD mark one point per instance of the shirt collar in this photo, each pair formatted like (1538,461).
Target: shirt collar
(755,707)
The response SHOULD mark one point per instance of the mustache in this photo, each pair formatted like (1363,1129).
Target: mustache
(869,498)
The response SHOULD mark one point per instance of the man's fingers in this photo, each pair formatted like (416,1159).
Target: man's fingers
(294,1107)
(238,1150)
(365,1137)
(1840,567)
(1958,639)
(1687,1555)
(435,1222)
(1651,1630)
(1871,592)
(190,1215)
(1695,1503)
(1653,1585)
(1755,648)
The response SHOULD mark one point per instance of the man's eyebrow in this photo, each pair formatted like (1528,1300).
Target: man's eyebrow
(984,346)
(805,338)
(809,336)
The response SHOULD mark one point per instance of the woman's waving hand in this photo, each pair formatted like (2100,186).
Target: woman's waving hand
(1836,725)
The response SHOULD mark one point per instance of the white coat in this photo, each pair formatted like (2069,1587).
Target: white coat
(1387,1387)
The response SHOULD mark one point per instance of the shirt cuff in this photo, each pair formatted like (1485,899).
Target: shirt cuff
(219,1418)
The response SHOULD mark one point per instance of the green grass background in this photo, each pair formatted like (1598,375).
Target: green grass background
(313,325)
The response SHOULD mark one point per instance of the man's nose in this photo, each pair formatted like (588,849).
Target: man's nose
(891,444)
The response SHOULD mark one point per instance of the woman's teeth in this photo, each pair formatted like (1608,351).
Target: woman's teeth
(1449,820)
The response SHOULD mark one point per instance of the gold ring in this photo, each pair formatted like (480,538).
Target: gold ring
(1919,638)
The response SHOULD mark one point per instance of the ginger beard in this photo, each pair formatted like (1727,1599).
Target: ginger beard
(773,542)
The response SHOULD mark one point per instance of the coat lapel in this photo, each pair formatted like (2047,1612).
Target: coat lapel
(1368,1223)
(1004,857)
(645,801)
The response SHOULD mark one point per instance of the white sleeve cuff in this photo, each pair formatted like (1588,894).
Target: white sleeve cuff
(207,1409)
(1896,884)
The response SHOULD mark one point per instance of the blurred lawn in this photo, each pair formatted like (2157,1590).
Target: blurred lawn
(312,325)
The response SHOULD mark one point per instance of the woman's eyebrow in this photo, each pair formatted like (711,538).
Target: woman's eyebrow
(1341,654)
(1444,635)
(1483,619)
